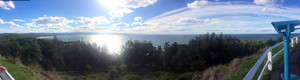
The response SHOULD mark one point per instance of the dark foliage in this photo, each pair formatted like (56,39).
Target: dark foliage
(55,54)
(200,53)
(74,56)
(25,48)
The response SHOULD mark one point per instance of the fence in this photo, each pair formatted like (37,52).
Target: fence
(268,64)
(6,76)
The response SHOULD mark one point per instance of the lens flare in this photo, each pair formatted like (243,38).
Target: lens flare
(112,42)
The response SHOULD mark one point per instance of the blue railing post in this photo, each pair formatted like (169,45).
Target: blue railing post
(286,59)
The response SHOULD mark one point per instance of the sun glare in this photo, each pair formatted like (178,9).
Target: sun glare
(112,4)
(112,42)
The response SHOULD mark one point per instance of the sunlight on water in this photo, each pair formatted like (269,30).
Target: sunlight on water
(112,42)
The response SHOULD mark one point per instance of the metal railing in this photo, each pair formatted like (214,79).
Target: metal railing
(268,64)
(6,76)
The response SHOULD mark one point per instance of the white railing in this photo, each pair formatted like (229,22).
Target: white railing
(6,76)
(268,64)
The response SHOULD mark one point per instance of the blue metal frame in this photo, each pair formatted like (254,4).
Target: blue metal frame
(286,54)
(285,28)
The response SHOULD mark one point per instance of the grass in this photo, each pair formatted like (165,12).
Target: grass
(18,72)
(71,75)
(128,75)
(26,73)
(278,48)
(240,73)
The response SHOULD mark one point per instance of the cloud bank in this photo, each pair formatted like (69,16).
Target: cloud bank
(7,5)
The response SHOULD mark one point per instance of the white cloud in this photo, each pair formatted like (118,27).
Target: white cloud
(125,6)
(188,20)
(139,24)
(265,2)
(121,24)
(10,23)
(139,3)
(10,4)
(1,21)
(85,27)
(264,9)
(53,28)
(7,5)
(92,21)
(137,18)
(50,21)
(221,17)
(198,4)
(268,4)
(119,13)
(19,20)
(172,12)
(215,21)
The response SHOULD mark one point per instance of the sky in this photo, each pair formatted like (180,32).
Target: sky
(146,16)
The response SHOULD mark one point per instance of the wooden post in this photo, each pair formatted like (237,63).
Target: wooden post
(296,39)
(292,42)
(270,60)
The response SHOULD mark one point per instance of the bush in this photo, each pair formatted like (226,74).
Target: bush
(167,76)
(25,48)
(131,77)
(185,76)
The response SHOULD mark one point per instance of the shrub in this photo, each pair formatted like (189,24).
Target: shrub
(131,77)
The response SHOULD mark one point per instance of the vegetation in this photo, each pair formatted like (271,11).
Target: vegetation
(72,56)
(200,53)
(17,72)
(138,59)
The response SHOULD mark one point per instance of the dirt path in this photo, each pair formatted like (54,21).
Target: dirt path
(294,65)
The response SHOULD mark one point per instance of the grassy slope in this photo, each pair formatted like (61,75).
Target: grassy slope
(240,73)
(21,73)
(125,74)
(71,75)
(18,72)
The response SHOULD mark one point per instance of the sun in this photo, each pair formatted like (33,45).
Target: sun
(112,4)
(112,42)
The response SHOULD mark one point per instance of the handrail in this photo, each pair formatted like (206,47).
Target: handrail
(6,76)
(275,55)
(253,70)
(262,72)
(255,67)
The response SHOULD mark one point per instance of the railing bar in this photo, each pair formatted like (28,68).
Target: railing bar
(11,78)
(275,55)
(253,70)
(262,72)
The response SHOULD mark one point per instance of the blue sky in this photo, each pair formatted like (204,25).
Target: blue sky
(146,16)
